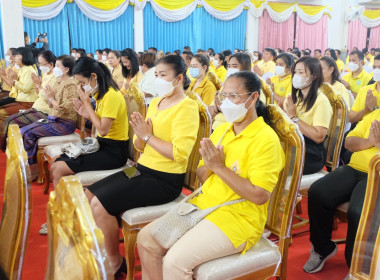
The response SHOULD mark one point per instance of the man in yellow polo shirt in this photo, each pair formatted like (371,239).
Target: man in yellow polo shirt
(268,64)
(368,98)
(358,77)
(187,56)
(339,62)
(345,184)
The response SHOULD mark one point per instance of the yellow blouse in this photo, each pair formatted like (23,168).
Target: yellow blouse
(23,89)
(267,66)
(136,79)
(206,90)
(282,87)
(117,74)
(113,106)
(254,154)
(41,104)
(221,73)
(179,125)
(66,92)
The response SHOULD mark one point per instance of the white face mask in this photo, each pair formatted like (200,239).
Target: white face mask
(104,58)
(57,72)
(234,112)
(255,58)
(8,59)
(44,69)
(300,82)
(96,57)
(88,88)
(140,69)
(279,70)
(17,66)
(163,87)
(215,63)
(353,66)
(73,54)
(376,75)
(231,71)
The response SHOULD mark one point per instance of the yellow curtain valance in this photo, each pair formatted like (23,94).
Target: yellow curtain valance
(280,7)
(224,5)
(372,14)
(36,4)
(312,10)
(105,5)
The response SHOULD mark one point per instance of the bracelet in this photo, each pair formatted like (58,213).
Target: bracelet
(293,117)
(146,138)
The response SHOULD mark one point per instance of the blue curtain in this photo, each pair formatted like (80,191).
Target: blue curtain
(57,29)
(200,30)
(92,35)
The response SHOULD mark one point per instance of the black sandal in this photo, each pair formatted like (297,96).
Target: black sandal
(122,269)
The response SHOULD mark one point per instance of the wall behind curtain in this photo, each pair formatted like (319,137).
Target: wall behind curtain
(57,29)
(198,30)
(91,35)
(312,36)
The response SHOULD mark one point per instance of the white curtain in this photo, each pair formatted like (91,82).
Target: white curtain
(101,15)
(44,12)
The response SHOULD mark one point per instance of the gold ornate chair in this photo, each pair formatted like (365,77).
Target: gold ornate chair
(17,207)
(266,259)
(333,143)
(365,264)
(215,80)
(135,219)
(266,95)
(76,244)
(135,100)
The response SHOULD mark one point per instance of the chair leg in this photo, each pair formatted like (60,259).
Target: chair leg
(47,175)
(130,235)
(335,224)
(299,207)
(40,164)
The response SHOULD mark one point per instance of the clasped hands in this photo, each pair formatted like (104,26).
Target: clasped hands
(141,127)
(290,107)
(374,134)
(81,103)
(213,156)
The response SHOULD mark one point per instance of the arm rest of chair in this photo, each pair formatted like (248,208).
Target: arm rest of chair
(53,151)
(88,178)
(53,140)
(149,213)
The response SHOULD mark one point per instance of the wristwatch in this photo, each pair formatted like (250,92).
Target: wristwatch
(146,138)
(296,120)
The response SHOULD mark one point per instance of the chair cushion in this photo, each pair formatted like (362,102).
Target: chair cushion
(307,180)
(53,150)
(52,140)
(87,178)
(343,207)
(264,254)
(149,213)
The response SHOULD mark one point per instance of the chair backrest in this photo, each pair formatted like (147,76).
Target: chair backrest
(76,244)
(204,131)
(333,142)
(135,100)
(266,90)
(282,202)
(365,262)
(17,207)
(215,80)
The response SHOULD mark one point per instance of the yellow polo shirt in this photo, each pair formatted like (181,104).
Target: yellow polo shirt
(206,90)
(359,103)
(341,89)
(282,87)
(113,106)
(360,81)
(254,154)
(178,125)
(340,64)
(24,89)
(360,160)
(267,66)
(221,73)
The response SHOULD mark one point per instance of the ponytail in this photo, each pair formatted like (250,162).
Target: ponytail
(262,111)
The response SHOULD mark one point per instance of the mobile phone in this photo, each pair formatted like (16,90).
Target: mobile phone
(131,172)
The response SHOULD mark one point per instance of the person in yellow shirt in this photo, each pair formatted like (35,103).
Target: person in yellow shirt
(339,62)
(115,67)
(268,64)
(227,173)
(318,53)
(310,109)
(166,138)
(187,57)
(358,77)
(109,118)
(331,76)
(368,98)
(345,184)
(23,89)
(220,66)
(201,85)
(6,87)
(257,58)
(281,84)
(130,69)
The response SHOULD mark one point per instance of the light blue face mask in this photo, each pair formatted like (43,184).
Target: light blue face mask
(194,72)
(96,57)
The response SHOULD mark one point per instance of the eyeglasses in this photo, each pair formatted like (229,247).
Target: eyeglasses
(233,96)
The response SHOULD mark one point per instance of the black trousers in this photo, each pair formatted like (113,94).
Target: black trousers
(342,185)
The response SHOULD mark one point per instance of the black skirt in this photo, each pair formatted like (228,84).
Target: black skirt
(111,154)
(118,193)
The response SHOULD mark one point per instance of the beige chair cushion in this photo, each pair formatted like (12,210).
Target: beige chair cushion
(343,207)
(88,178)
(52,140)
(53,150)
(264,254)
(307,180)
(149,213)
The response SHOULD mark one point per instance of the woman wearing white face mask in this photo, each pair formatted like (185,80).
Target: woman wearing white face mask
(220,66)
(147,64)
(310,109)
(109,118)
(7,83)
(166,139)
(201,85)
(281,84)
(242,159)
(41,107)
